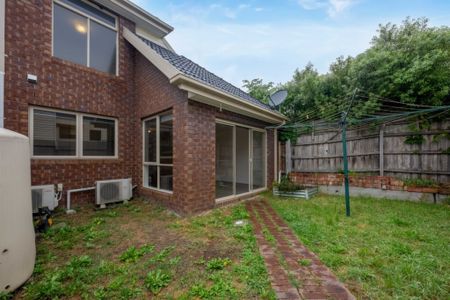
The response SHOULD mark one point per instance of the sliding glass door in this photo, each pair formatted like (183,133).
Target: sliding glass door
(240,159)
(224,160)
(258,161)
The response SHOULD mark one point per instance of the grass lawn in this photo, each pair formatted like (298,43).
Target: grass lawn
(140,250)
(386,250)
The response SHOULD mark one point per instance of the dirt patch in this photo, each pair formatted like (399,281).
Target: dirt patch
(126,251)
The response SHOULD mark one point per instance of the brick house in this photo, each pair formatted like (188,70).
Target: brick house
(109,98)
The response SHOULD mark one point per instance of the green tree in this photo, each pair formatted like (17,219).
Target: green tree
(303,90)
(408,63)
(258,89)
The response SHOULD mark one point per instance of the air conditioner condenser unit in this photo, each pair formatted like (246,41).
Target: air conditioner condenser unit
(43,196)
(111,191)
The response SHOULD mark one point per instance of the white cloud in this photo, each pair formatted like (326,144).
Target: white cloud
(312,4)
(244,6)
(266,50)
(338,6)
(228,12)
(270,50)
(332,7)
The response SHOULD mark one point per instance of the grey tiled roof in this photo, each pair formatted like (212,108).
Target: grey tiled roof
(193,70)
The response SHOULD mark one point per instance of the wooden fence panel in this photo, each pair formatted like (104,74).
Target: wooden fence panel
(379,150)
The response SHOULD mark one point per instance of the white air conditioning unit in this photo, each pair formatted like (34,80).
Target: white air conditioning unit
(110,191)
(43,196)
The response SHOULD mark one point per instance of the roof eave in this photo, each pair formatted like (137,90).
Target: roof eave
(207,94)
(164,66)
(138,15)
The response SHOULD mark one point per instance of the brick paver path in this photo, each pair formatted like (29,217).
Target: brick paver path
(294,271)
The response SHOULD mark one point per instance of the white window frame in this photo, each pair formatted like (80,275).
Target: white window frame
(89,18)
(157,163)
(251,130)
(78,138)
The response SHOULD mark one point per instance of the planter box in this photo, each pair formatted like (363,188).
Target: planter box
(306,193)
(422,189)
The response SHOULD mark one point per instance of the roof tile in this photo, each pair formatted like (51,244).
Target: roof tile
(197,72)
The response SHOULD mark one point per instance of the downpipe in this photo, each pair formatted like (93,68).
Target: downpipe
(276,175)
(2,99)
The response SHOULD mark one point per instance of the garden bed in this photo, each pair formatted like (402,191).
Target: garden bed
(304,192)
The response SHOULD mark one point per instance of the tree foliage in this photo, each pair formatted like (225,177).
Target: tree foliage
(409,63)
(259,90)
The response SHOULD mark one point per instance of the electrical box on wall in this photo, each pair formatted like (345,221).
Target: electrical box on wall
(32,78)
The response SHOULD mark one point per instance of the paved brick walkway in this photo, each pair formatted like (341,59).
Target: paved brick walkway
(294,271)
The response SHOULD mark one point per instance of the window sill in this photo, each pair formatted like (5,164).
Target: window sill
(158,190)
(75,157)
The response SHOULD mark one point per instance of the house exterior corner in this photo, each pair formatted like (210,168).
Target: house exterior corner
(87,123)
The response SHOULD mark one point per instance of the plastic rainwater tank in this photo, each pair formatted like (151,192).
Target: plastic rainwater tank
(17,239)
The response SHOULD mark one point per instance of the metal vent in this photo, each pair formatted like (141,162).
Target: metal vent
(110,191)
(36,199)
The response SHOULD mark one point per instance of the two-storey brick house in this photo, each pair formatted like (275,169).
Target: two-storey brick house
(112,99)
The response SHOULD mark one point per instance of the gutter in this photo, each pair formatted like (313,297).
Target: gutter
(222,99)
(2,63)
(139,11)
(138,15)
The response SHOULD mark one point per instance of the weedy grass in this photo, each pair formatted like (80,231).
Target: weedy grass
(387,249)
(140,250)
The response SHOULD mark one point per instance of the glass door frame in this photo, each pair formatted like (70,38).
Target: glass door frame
(250,140)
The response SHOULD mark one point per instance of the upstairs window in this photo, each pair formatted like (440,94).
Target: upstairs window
(84,34)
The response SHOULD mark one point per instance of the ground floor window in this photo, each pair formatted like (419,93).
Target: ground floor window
(158,152)
(240,159)
(56,133)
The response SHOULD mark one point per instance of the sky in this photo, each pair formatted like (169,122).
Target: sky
(269,39)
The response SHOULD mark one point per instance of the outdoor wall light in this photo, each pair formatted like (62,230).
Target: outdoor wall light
(32,78)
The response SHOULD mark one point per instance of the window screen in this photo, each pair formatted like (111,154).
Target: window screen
(54,133)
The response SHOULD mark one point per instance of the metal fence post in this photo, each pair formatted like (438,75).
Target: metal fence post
(345,160)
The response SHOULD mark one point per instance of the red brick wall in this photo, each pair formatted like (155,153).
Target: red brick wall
(155,94)
(194,140)
(364,181)
(138,92)
(198,175)
(67,86)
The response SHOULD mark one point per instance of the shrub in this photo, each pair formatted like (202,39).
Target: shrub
(286,185)
(419,182)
